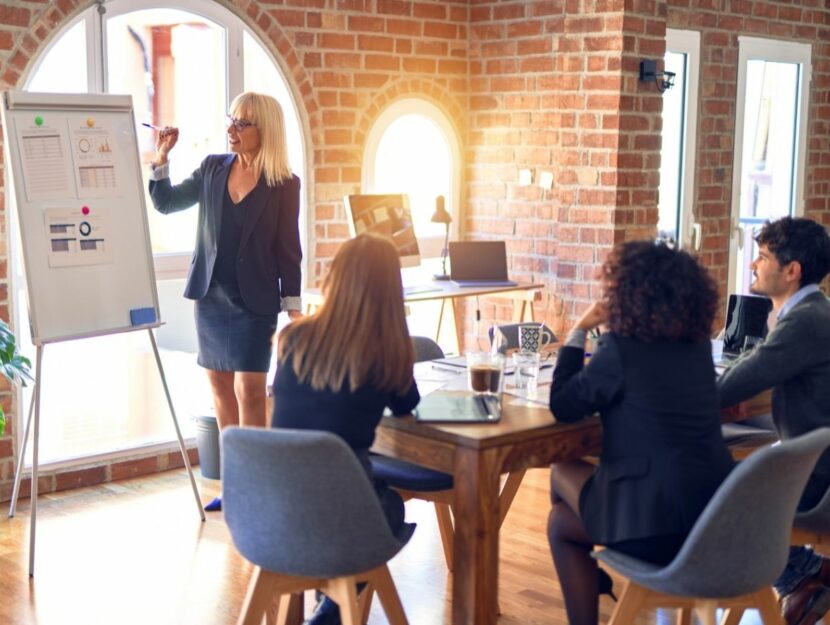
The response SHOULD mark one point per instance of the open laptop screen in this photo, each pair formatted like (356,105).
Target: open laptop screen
(479,262)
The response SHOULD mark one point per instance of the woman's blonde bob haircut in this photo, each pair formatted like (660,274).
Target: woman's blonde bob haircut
(266,114)
(359,335)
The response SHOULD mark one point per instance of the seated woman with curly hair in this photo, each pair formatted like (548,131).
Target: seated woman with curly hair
(653,383)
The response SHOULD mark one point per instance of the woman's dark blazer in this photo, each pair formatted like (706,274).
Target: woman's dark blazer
(268,264)
(663,454)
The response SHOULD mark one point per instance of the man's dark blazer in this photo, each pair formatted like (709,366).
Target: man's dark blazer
(268,262)
(794,361)
(663,455)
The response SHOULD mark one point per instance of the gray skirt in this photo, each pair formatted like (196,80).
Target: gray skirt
(231,337)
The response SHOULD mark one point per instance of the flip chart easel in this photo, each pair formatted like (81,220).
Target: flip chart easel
(84,235)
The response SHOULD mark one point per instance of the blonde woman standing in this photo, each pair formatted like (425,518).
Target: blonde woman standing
(246,264)
(342,366)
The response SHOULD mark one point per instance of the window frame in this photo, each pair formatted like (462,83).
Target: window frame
(688,42)
(774,51)
(430,246)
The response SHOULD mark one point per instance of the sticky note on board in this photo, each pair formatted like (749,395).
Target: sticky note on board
(142,316)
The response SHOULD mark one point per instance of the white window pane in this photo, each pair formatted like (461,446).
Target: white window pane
(262,76)
(673,149)
(413,157)
(63,67)
(767,183)
(173,64)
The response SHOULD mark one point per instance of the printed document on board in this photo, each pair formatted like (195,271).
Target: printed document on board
(45,161)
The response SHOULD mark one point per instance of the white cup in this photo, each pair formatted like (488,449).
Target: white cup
(533,337)
(526,371)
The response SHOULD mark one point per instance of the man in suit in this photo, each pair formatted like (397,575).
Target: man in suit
(793,258)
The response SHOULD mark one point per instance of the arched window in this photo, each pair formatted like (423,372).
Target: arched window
(413,148)
(182,61)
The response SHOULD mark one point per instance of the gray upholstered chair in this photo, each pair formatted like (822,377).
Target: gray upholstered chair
(426,349)
(300,507)
(812,527)
(737,547)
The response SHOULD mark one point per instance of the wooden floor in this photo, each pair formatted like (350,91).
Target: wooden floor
(135,552)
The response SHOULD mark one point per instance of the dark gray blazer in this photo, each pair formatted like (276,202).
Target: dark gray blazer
(268,264)
(663,455)
(795,362)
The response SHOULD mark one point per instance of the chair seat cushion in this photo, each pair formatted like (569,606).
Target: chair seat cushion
(401,474)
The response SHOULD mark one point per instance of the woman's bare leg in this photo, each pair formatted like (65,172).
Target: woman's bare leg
(224,398)
(249,387)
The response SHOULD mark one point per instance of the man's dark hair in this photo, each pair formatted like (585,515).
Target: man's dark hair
(802,240)
(654,293)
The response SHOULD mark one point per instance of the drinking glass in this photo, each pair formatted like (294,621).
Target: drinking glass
(526,371)
(486,372)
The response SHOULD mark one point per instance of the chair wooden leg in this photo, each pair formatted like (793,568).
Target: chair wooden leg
(364,601)
(768,606)
(258,597)
(732,616)
(388,595)
(631,600)
(342,591)
(684,616)
(445,528)
(290,609)
(706,611)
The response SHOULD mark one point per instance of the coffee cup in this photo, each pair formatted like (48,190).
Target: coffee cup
(533,337)
(485,372)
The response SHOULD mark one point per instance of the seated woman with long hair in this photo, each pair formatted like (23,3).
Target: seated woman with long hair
(342,366)
(652,381)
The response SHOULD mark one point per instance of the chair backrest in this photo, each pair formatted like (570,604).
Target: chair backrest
(741,540)
(298,502)
(817,518)
(426,349)
(511,334)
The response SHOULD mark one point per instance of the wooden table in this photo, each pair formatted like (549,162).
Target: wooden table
(523,296)
(477,455)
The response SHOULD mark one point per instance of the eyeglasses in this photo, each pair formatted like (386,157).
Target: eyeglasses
(238,124)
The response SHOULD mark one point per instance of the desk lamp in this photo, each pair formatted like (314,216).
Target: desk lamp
(441,216)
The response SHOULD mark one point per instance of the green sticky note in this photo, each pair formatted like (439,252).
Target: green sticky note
(38,121)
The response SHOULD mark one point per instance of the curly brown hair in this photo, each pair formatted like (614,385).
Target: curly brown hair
(655,293)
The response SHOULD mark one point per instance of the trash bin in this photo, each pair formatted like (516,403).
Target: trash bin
(207,441)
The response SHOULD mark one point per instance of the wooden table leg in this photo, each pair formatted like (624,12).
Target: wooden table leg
(476,549)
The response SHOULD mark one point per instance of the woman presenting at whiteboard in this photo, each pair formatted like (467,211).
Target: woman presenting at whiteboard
(246,265)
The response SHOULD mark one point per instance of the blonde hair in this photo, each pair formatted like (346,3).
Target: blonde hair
(359,334)
(266,114)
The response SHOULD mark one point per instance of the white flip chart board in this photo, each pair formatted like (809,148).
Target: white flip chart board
(81,211)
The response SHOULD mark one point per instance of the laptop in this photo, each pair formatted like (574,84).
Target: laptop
(479,263)
(746,316)
(458,408)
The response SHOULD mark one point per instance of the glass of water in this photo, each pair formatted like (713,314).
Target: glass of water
(526,371)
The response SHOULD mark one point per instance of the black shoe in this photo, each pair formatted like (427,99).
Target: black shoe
(327,612)
(606,584)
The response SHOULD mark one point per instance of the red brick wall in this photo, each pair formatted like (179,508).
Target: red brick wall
(549,85)
(554,88)
(720,24)
(347,60)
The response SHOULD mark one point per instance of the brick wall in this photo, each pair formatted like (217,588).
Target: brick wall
(554,88)
(549,85)
(346,60)
(720,23)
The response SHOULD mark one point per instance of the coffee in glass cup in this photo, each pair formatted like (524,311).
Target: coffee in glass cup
(486,372)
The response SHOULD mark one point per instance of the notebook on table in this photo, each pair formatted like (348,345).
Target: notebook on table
(479,263)
(458,408)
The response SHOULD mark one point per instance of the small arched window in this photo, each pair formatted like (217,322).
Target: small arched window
(413,148)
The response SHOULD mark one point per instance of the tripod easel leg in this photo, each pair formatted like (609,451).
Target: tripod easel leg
(33,517)
(18,474)
(175,424)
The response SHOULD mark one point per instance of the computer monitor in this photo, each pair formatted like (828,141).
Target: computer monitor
(388,215)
